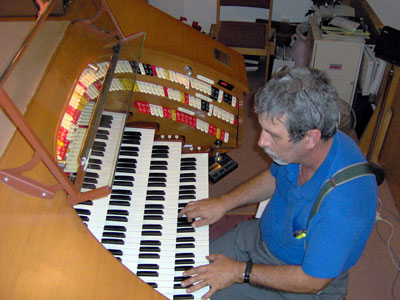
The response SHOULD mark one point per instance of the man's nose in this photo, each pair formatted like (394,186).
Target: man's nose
(264,139)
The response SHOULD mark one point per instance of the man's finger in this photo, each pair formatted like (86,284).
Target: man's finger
(209,294)
(196,287)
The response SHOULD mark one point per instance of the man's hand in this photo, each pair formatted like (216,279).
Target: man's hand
(208,211)
(219,274)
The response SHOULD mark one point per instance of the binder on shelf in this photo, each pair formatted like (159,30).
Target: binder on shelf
(371,72)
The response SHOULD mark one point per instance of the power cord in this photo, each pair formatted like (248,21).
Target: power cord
(394,257)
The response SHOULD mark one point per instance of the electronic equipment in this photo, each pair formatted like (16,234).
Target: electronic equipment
(220,166)
(388,45)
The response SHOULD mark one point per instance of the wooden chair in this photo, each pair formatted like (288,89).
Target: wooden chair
(255,38)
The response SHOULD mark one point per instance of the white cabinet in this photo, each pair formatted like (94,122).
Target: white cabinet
(340,59)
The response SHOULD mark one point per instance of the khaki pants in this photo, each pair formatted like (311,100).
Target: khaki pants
(245,241)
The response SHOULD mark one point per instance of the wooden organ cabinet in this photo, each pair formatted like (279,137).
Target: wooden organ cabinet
(119,65)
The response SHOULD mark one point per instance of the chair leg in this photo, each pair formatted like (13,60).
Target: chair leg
(267,68)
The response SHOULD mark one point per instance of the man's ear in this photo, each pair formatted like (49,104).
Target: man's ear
(312,137)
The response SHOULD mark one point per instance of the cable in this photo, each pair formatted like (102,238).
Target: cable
(393,255)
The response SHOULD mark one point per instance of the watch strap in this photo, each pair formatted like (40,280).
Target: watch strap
(247,271)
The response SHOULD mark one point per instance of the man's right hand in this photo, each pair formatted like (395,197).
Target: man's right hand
(206,211)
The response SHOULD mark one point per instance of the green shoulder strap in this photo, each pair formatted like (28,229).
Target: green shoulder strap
(342,176)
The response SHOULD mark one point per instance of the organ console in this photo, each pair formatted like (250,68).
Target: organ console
(114,141)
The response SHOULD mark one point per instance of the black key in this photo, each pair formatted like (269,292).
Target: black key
(154,206)
(158,168)
(126,165)
(115,228)
(88,186)
(187,180)
(179,286)
(116,252)
(121,192)
(99,148)
(188,164)
(188,159)
(116,219)
(151,233)
(100,144)
(155,198)
(103,131)
(156,184)
(127,160)
(159,151)
(84,218)
(148,267)
(150,243)
(160,147)
(152,226)
(183,297)
(119,235)
(180,278)
(120,197)
(184,255)
(81,211)
(122,183)
(91,175)
(157,175)
(90,180)
(125,170)
(124,177)
(155,192)
(95,161)
(94,167)
(153,218)
(112,241)
(153,212)
(120,203)
(130,142)
(187,187)
(101,137)
(187,192)
(104,125)
(133,133)
(118,212)
(128,153)
(187,197)
(189,168)
(149,255)
(184,230)
(185,239)
(184,224)
(130,148)
(149,249)
(184,175)
(157,179)
(185,246)
(147,273)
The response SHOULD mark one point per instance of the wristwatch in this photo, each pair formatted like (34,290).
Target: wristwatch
(247,271)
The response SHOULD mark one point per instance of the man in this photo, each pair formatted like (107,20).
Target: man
(298,113)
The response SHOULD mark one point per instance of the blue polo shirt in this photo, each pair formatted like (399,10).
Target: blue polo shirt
(338,233)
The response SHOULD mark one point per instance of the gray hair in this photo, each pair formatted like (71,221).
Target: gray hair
(303,99)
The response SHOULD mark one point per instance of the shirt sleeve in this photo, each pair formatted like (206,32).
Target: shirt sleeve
(338,233)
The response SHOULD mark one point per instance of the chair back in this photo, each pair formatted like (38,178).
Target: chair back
(248,3)
(262,4)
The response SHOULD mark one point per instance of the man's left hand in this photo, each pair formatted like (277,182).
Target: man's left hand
(219,274)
